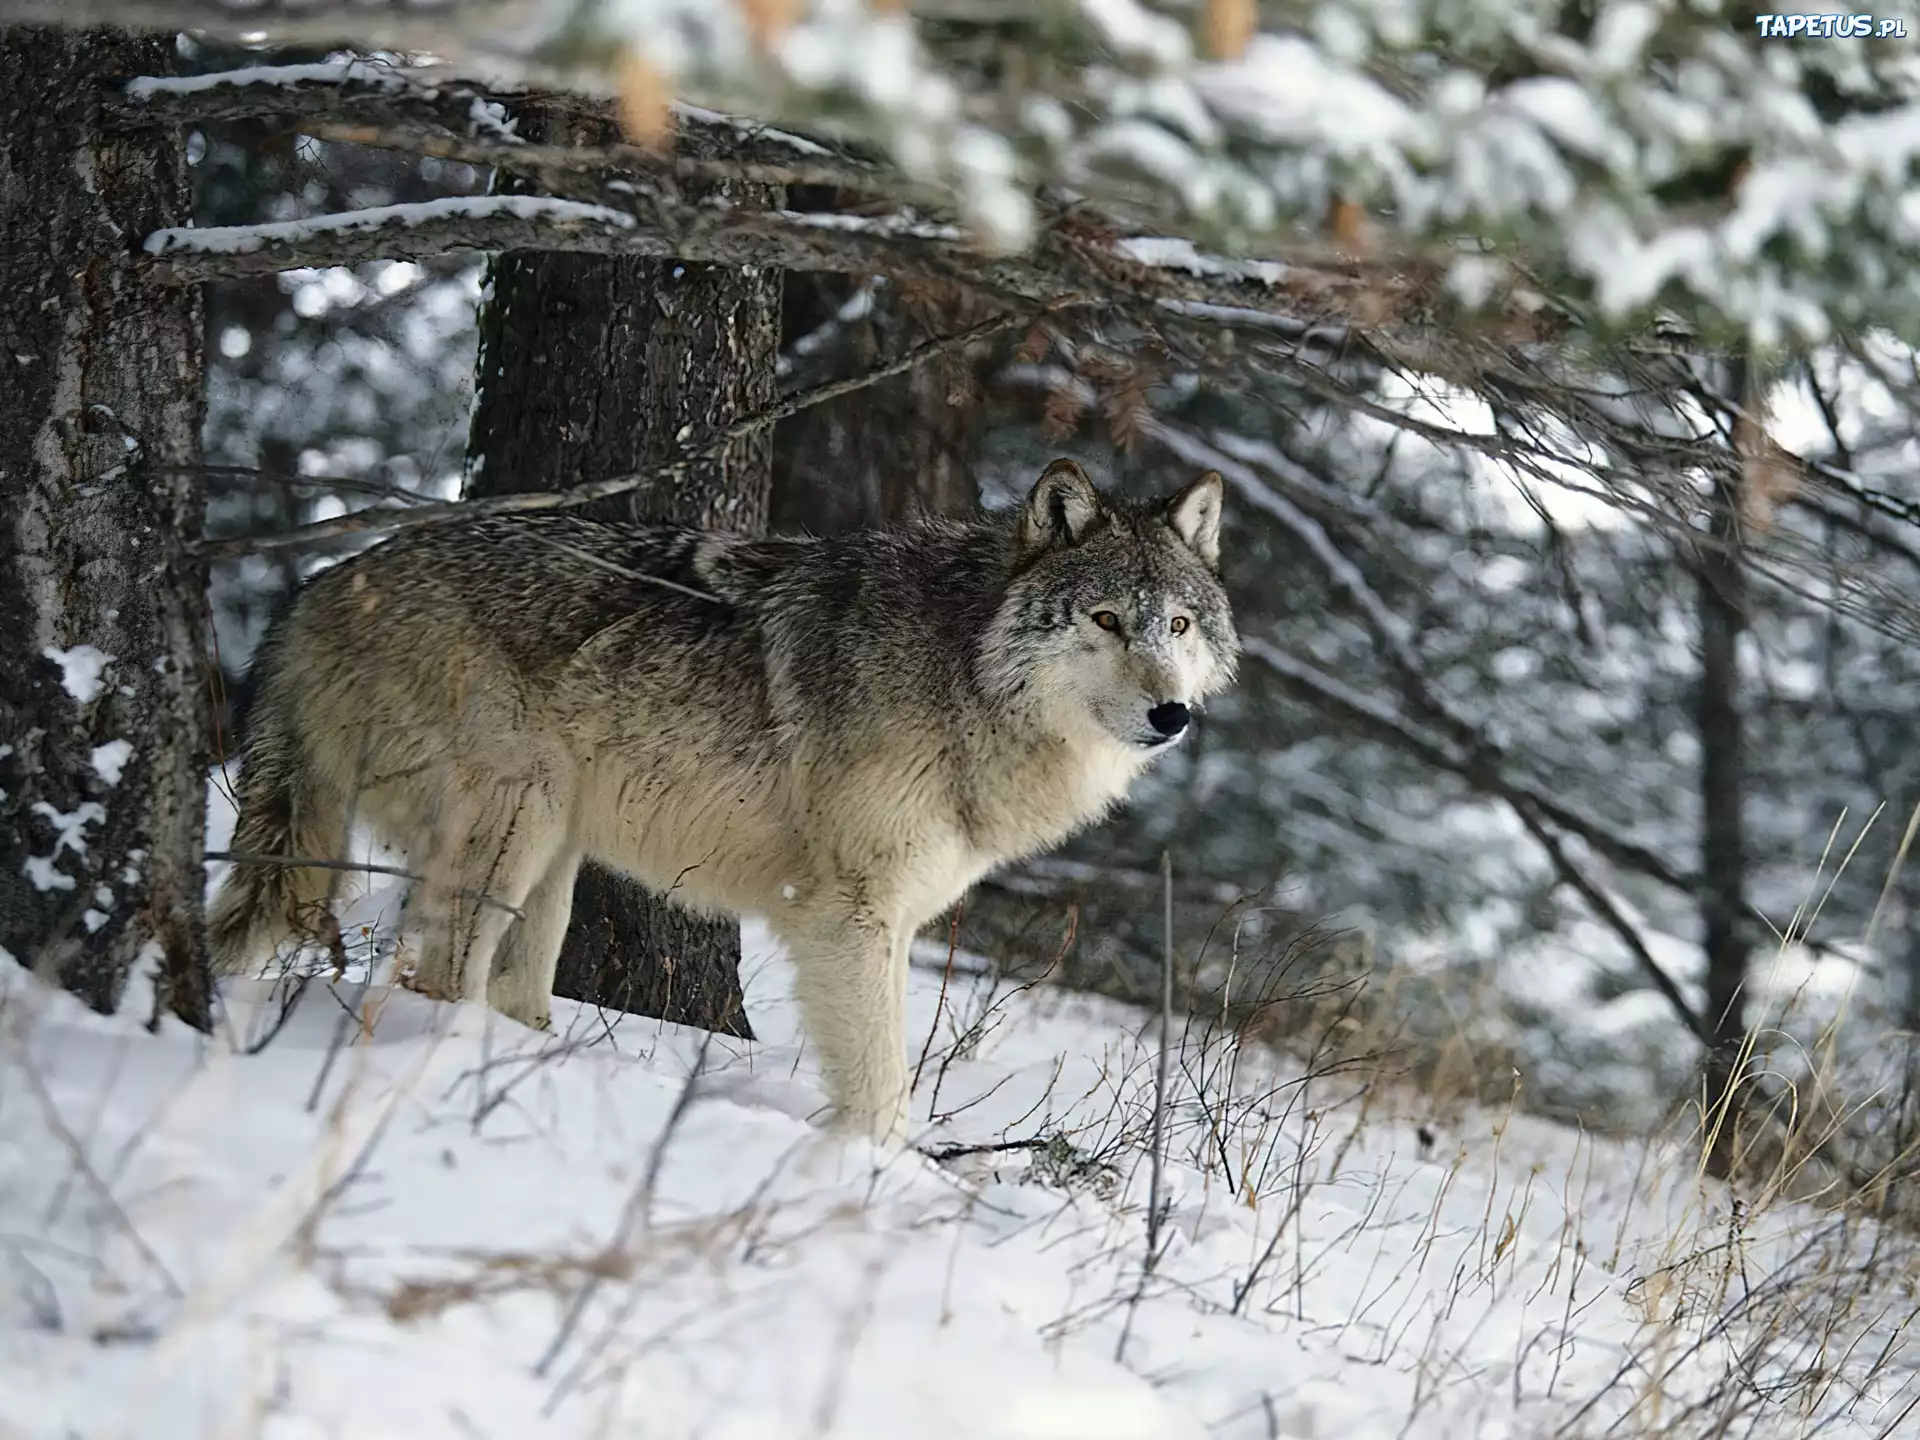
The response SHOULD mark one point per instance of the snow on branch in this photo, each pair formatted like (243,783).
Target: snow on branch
(1074,262)
(399,232)
(433,111)
(1626,158)
(284,78)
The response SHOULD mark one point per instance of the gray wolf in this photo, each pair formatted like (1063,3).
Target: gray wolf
(840,735)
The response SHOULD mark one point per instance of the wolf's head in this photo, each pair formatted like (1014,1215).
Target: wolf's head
(1114,621)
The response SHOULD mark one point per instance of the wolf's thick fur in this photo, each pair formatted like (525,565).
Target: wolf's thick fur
(840,735)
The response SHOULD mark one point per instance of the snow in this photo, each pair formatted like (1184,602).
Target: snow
(244,239)
(110,759)
(399,1218)
(1166,252)
(1572,116)
(1133,30)
(43,874)
(330,72)
(69,833)
(751,129)
(903,224)
(1283,89)
(81,669)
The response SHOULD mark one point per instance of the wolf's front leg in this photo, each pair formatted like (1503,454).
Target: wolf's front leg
(854,1006)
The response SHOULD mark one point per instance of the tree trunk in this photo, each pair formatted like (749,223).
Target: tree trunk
(591,367)
(103,715)
(1720,591)
(886,453)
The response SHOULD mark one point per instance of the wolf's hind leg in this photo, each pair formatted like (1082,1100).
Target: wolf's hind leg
(854,1007)
(521,986)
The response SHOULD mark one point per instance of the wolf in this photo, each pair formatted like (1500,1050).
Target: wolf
(839,735)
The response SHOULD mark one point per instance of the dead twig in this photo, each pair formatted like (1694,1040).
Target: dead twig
(940,1006)
(634,1220)
(308,862)
(1157,1146)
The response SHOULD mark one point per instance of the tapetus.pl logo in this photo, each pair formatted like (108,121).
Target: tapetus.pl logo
(1831,27)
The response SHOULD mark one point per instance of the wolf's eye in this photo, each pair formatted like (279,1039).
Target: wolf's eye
(1181,624)
(1106,619)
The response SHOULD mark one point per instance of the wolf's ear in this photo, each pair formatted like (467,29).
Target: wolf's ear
(1194,515)
(1061,509)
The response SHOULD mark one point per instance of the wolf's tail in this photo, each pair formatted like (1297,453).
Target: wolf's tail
(287,814)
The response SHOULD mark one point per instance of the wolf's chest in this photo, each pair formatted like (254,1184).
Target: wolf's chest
(1034,797)
(937,818)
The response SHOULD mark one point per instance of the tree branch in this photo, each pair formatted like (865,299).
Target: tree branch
(351,867)
(433,112)
(725,236)
(1532,809)
(374,24)
(1313,296)
(1068,259)
(1611,915)
(1371,717)
(382,520)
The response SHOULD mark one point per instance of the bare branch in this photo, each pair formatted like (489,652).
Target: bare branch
(381,520)
(1610,914)
(1532,809)
(1383,723)
(1157,1145)
(83,1166)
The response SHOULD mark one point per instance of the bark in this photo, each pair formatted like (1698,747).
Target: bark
(1721,603)
(886,454)
(593,367)
(100,857)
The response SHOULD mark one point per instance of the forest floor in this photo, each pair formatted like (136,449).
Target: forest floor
(357,1213)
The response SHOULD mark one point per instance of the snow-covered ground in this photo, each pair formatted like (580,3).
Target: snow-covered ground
(368,1215)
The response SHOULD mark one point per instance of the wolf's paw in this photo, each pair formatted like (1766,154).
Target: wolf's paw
(423,986)
(540,1019)
(886,1127)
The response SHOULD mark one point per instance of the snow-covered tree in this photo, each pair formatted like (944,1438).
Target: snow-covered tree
(1591,161)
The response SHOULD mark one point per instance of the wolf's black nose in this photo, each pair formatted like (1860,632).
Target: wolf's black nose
(1169,719)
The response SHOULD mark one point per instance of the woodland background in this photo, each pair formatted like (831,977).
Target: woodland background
(1567,414)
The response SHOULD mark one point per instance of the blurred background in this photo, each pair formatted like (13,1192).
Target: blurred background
(1455,803)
